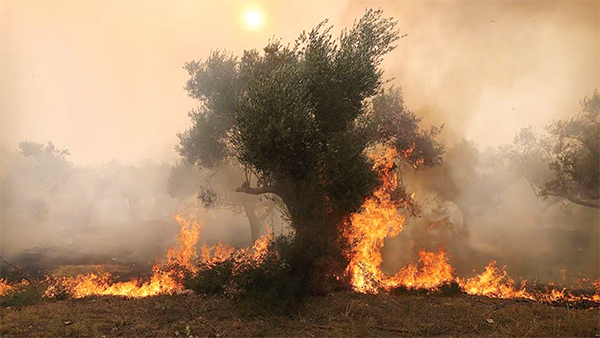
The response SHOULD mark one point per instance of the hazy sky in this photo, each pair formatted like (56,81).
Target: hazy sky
(105,80)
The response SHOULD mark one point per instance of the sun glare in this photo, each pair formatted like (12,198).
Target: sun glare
(253,19)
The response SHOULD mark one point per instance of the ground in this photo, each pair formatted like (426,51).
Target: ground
(342,314)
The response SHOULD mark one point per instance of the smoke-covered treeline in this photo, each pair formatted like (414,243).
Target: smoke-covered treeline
(112,210)
(55,212)
(530,204)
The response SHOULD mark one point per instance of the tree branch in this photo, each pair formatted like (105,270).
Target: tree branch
(577,201)
(260,190)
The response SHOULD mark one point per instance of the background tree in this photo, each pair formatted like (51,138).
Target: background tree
(301,120)
(216,189)
(576,156)
(565,163)
(39,167)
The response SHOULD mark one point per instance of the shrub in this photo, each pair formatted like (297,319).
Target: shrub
(27,295)
(273,284)
(450,289)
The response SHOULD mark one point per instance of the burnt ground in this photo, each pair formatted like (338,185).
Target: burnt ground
(342,314)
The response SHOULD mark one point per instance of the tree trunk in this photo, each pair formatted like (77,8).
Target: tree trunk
(255,225)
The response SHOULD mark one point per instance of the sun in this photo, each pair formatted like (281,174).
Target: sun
(253,18)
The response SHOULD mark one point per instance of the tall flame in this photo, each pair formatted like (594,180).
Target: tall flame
(379,219)
(189,232)
(368,229)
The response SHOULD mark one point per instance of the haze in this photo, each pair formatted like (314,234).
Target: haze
(104,79)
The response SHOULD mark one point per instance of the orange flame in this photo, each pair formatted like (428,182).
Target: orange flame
(216,254)
(92,284)
(5,288)
(434,272)
(220,252)
(368,229)
(189,232)
(261,245)
(163,280)
(166,277)
(493,282)
(379,219)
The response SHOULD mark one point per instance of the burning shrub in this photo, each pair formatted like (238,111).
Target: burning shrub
(262,280)
(211,279)
(20,294)
(57,290)
(450,289)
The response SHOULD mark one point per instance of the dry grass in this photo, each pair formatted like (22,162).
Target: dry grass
(343,314)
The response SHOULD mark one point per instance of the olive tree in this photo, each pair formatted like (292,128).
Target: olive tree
(301,120)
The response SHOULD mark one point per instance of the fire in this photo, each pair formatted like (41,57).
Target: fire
(434,272)
(92,284)
(211,256)
(493,282)
(165,279)
(167,276)
(261,246)
(379,219)
(368,229)
(219,253)
(189,232)
(5,288)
